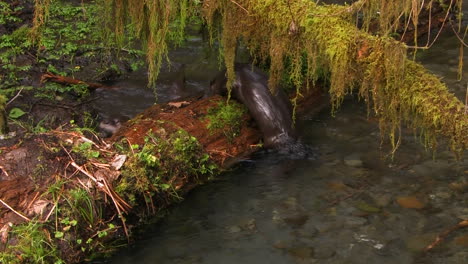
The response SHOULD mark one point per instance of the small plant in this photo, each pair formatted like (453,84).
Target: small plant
(86,149)
(226,118)
(33,246)
(162,161)
(84,206)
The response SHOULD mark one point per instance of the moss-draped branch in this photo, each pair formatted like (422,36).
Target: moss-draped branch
(314,38)
(399,90)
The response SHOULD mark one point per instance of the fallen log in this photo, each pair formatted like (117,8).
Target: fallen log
(191,117)
(49,77)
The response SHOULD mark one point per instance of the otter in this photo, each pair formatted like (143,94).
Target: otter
(272,112)
(109,127)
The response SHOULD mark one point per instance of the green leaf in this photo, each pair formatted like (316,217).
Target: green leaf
(16,113)
(58,234)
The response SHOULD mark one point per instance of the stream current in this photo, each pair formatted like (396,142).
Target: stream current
(352,204)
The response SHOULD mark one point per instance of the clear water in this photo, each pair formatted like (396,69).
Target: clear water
(343,207)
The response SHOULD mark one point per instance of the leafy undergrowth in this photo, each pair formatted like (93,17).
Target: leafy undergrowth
(72,197)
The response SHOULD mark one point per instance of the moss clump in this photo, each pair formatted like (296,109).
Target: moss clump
(162,166)
(226,117)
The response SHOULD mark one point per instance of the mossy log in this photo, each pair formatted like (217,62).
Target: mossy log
(298,35)
(191,116)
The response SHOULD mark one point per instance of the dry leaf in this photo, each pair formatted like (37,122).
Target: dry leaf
(410,202)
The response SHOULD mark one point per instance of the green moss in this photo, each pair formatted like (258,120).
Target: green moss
(377,67)
(159,168)
(226,117)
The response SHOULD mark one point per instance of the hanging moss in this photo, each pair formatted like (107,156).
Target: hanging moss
(310,36)
(376,65)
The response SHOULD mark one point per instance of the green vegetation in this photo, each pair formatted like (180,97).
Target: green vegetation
(162,165)
(226,117)
(305,39)
(34,245)
(70,41)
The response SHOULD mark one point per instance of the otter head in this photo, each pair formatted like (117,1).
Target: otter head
(109,127)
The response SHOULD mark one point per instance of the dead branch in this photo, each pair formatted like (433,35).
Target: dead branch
(71,81)
(444,234)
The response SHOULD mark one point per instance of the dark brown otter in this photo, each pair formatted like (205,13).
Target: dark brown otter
(272,112)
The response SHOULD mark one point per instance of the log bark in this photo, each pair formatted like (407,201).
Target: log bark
(71,81)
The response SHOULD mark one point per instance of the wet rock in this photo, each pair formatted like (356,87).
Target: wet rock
(393,247)
(382,200)
(296,220)
(460,186)
(354,221)
(443,195)
(290,203)
(301,252)
(281,244)
(233,229)
(353,160)
(420,242)
(249,225)
(410,202)
(323,252)
(323,226)
(309,230)
(459,257)
(366,207)
(461,213)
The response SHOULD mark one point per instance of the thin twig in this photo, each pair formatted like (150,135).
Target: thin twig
(3,169)
(444,234)
(234,2)
(16,96)
(462,41)
(439,32)
(33,200)
(14,211)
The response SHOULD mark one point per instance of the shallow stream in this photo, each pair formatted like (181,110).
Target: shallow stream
(352,204)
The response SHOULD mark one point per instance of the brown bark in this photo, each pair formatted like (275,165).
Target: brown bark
(70,81)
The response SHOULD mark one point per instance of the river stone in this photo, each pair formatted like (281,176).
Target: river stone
(296,220)
(410,202)
(234,229)
(382,200)
(443,195)
(323,227)
(461,213)
(420,242)
(323,252)
(301,252)
(353,160)
(353,221)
